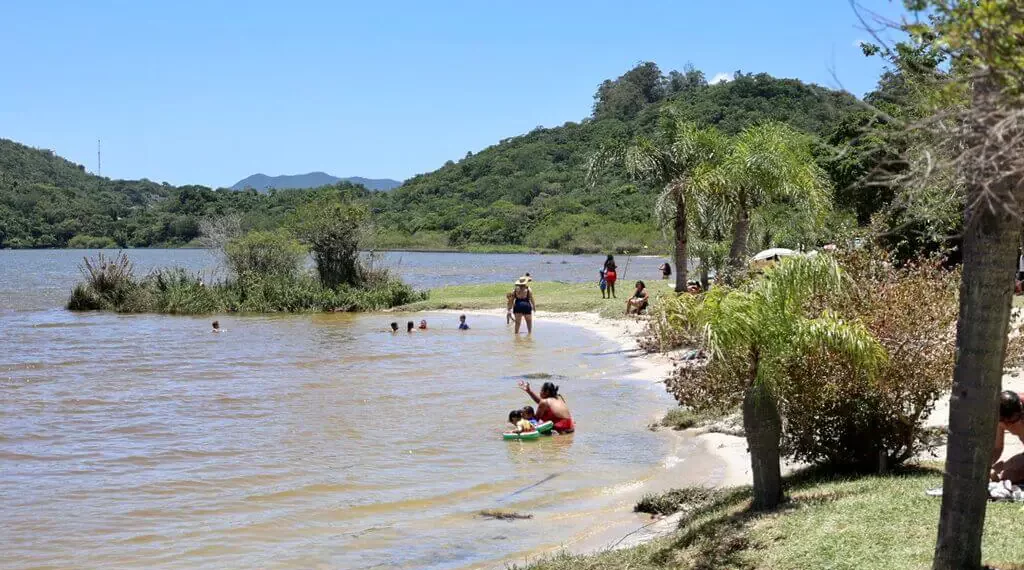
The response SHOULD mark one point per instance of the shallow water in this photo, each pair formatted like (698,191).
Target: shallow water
(311,441)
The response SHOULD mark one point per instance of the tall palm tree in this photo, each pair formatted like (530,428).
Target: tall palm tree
(991,225)
(751,332)
(676,161)
(767,163)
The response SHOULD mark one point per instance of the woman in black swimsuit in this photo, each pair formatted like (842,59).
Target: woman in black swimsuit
(521,303)
(638,302)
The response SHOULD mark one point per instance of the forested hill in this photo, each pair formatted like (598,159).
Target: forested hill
(532,189)
(528,191)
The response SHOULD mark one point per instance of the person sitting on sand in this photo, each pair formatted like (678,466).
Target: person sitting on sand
(462,323)
(520,425)
(394,327)
(216,327)
(638,302)
(530,416)
(1011,419)
(551,407)
(423,324)
(410,326)
(522,304)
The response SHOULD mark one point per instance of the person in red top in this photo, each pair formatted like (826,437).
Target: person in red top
(551,407)
(1011,419)
(611,274)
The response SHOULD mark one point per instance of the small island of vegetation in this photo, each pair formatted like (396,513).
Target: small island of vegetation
(266,271)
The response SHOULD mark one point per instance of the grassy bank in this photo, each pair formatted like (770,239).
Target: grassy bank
(549,296)
(870,523)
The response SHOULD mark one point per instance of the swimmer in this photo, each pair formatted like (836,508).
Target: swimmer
(462,323)
(216,327)
(394,327)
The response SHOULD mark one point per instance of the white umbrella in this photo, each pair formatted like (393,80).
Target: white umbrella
(772,253)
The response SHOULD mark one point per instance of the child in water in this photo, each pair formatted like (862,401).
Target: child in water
(216,327)
(410,326)
(510,298)
(423,325)
(530,416)
(515,417)
(394,327)
(462,323)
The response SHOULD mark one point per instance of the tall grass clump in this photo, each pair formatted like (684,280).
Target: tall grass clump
(108,284)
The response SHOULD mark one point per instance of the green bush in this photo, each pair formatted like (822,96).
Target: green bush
(834,412)
(333,229)
(265,253)
(109,283)
(82,241)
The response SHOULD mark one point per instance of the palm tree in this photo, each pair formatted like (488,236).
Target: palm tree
(768,163)
(750,333)
(991,224)
(676,162)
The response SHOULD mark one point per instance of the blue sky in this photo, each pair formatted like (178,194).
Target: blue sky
(209,92)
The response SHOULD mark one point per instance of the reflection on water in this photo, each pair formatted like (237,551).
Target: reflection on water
(314,441)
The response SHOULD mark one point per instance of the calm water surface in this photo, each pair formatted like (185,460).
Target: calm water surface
(309,441)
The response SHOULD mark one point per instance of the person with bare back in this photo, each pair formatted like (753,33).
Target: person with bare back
(1011,419)
(551,407)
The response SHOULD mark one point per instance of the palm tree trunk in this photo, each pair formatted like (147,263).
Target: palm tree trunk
(681,239)
(740,232)
(763,427)
(986,290)
(704,277)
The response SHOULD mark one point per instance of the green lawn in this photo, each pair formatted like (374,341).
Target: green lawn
(869,523)
(549,296)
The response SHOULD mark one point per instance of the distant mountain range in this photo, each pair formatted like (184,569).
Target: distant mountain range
(262,182)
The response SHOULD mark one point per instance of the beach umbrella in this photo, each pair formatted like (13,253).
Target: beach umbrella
(769,256)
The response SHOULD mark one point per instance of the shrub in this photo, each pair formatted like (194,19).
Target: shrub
(333,230)
(837,415)
(265,253)
(82,241)
(109,282)
(834,412)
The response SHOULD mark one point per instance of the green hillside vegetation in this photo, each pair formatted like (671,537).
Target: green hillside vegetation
(526,192)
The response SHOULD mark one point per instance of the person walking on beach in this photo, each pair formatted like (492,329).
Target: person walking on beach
(551,407)
(610,275)
(522,305)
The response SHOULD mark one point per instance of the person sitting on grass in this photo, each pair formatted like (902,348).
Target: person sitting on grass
(462,323)
(520,424)
(1011,419)
(638,302)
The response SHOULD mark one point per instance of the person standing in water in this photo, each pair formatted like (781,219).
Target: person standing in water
(610,275)
(522,305)
(551,407)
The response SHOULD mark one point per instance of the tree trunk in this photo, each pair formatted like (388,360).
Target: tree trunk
(986,290)
(740,232)
(763,427)
(704,281)
(681,239)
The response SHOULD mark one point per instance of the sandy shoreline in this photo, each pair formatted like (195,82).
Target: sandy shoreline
(707,459)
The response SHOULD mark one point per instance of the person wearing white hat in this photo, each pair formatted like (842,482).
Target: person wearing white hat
(521,304)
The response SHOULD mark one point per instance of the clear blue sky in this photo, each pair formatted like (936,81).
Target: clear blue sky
(209,92)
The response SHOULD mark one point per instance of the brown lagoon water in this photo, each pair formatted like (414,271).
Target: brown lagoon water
(309,441)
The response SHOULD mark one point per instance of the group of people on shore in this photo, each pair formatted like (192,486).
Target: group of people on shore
(638,301)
